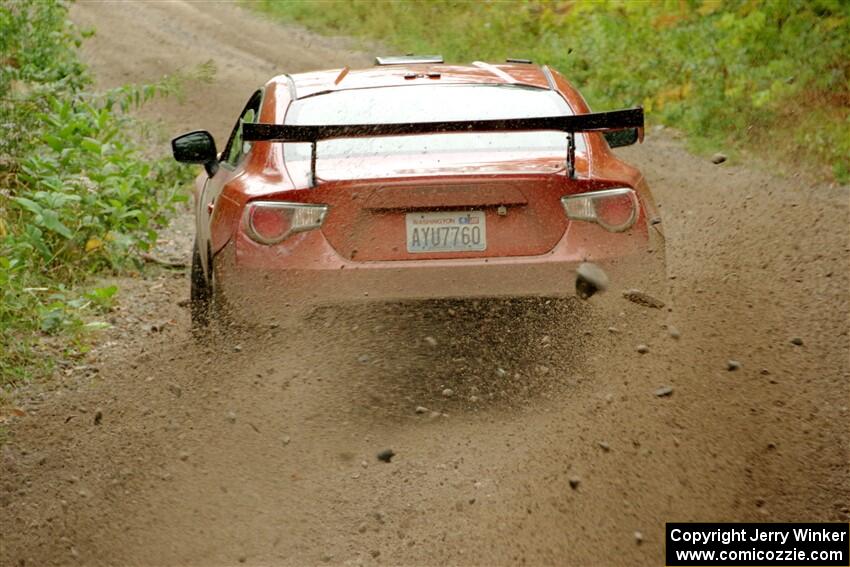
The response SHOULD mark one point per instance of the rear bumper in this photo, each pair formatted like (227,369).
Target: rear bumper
(259,282)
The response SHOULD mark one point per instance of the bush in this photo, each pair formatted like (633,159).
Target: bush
(768,76)
(77,194)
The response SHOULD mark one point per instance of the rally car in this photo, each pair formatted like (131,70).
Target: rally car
(414,179)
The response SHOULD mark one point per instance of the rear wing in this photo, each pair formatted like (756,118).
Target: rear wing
(631,118)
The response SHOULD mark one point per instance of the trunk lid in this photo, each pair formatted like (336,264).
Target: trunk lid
(375,220)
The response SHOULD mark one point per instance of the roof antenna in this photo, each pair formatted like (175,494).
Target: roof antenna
(341,75)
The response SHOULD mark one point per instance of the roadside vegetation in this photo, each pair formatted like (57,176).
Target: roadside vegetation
(769,77)
(79,193)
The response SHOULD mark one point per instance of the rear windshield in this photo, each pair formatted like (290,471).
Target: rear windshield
(426,103)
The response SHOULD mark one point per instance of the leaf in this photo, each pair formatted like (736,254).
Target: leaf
(54,142)
(50,221)
(93,243)
(134,214)
(102,294)
(91,145)
(29,205)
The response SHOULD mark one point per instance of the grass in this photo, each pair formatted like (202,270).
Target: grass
(771,78)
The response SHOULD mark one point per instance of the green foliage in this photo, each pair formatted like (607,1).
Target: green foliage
(78,194)
(772,76)
(88,198)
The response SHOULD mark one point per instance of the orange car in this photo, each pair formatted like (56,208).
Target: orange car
(414,179)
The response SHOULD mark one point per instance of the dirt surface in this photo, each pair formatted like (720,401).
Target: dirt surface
(540,436)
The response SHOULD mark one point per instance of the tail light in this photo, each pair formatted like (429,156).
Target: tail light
(615,210)
(270,222)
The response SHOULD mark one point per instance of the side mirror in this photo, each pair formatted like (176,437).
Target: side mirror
(620,138)
(196,147)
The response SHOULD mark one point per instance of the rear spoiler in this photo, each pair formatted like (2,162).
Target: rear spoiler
(592,122)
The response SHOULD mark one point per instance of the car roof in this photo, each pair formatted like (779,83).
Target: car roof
(308,84)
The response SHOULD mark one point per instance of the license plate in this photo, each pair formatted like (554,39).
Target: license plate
(462,231)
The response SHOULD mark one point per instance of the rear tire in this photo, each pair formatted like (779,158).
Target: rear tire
(200,294)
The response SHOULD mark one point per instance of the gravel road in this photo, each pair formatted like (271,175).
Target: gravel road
(534,432)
